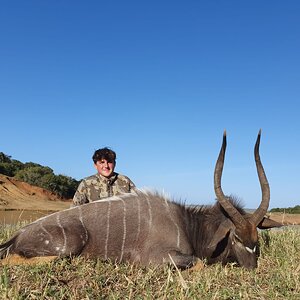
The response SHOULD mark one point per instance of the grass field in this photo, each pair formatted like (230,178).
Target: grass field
(277,277)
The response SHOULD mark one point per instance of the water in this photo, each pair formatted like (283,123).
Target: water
(12,217)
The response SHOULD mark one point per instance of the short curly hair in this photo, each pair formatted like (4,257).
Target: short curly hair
(104,153)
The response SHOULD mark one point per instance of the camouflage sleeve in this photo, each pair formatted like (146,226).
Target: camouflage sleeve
(80,195)
(123,185)
(131,185)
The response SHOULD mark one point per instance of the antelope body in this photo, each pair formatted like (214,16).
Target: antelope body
(146,228)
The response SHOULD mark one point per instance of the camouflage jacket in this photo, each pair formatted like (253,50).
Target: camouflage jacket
(96,187)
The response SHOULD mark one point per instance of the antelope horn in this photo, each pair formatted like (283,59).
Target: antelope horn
(233,213)
(258,215)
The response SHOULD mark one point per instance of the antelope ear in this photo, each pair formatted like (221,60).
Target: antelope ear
(221,232)
(268,223)
(265,223)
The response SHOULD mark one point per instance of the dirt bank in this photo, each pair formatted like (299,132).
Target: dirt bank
(15,194)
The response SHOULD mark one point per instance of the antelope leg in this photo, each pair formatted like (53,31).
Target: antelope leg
(182,261)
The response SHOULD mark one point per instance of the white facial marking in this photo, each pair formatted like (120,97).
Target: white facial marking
(251,250)
(47,242)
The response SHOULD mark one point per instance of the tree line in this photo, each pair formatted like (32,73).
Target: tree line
(38,175)
(288,210)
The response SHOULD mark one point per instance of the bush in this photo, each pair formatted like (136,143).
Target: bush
(38,175)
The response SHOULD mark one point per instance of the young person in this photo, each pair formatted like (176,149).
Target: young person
(105,183)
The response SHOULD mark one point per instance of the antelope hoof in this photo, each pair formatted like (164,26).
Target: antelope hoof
(199,265)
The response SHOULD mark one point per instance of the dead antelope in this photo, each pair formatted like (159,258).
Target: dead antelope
(147,228)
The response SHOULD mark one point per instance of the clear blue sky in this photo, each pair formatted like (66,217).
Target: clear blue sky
(158,82)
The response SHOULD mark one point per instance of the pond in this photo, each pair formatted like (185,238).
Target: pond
(12,217)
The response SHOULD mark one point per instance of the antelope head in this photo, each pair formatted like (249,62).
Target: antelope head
(241,229)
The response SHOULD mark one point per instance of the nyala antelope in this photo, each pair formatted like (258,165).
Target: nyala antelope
(146,228)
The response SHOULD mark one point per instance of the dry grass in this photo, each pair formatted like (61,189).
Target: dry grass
(277,277)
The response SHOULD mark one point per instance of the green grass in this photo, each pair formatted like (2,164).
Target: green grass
(277,277)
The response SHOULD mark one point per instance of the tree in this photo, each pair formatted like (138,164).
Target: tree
(4,158)
(61,185)
(33,175)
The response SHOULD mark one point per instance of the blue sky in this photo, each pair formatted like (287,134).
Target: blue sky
(158,82)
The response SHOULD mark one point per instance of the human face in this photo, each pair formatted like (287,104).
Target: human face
(104,167)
